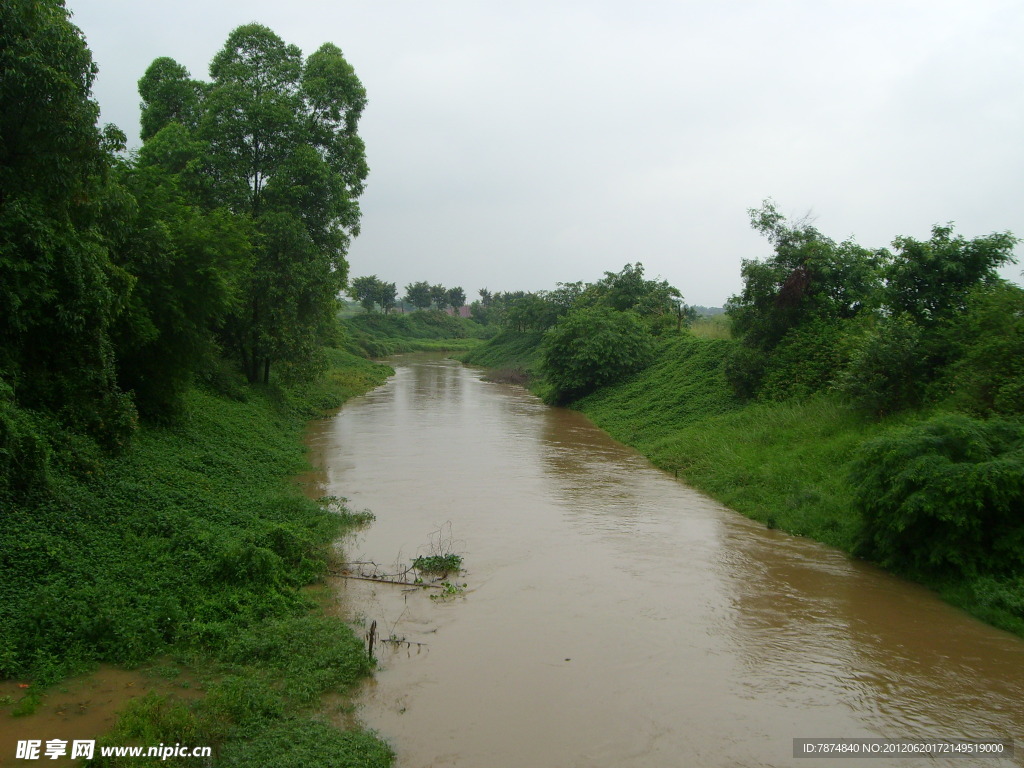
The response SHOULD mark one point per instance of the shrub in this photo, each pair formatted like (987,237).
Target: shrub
(988,377)
(24,450)
(591,348)
(744,369)
(806,361)
(888,370)
(944,497)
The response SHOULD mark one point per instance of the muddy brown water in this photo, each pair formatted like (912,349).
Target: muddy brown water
(80,708)
(615,617)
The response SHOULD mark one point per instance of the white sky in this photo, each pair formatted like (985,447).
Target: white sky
(516,145)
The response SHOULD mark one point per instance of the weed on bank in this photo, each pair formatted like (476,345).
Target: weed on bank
(197,543)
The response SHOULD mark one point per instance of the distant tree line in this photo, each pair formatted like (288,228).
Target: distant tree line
(657,301)
(374,294)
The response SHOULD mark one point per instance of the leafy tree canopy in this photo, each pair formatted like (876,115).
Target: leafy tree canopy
(371,291)
(418,294)
(272,137)
(59,289)
(808,277)
(930,280)
(455,297)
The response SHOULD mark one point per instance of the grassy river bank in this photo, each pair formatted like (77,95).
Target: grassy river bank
(785,463)
(188,555)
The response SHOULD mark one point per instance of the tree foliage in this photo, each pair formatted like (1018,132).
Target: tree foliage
(930,280)
(809,277)
(372,292)
(886,314)
(592,347)
(944,497)
(273,138)
(888,369)
(59,289)
(455,297)
(418,294)
(987,374)
(439,296)
(364,290)
(169,95)
(186,263)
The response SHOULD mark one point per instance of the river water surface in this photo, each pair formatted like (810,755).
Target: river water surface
(615,617)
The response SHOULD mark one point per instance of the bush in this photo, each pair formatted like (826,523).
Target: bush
(944,497)
(744,369)
(888,370)
(591,348)
(24,450)
(988,377)
(806,361)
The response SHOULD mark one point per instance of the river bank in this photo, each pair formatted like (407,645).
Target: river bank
(194,545)
(783,463)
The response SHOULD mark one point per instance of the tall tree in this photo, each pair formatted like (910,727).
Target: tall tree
(169,95)
(365,290)
(931,279)
(418,294)
(439,296)
(58,287)
(809,277)
(276,140)
(185,263)
(456,297)
(387,294)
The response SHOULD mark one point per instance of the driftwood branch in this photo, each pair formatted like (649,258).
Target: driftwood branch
(384,580)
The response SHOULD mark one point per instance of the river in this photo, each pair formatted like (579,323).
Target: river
(612,616)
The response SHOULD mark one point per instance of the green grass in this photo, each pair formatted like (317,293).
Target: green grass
(377,335)
(262,688)
(511,351)
(712,327)
(196,542)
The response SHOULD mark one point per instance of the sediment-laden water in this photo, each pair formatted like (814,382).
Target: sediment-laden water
(614,616)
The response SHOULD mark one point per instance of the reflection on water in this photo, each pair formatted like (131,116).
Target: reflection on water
(615,617)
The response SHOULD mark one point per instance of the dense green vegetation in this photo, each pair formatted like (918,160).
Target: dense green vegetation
(193,543)
(511,351)
(224,239)
(190,529)
(376,294)
(591,347)
(379,335)
(169,321)
(869,399)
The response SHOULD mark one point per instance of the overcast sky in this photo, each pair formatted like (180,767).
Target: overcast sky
(516,145)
